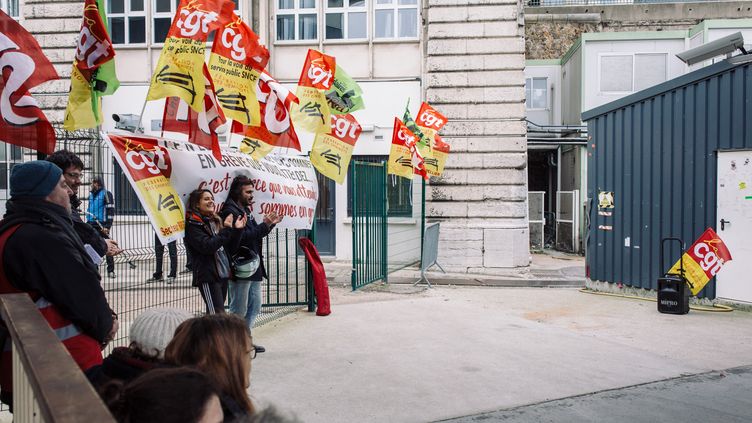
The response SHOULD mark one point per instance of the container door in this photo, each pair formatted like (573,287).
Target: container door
(734,223)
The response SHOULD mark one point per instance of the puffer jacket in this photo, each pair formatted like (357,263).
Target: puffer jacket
(253,234)
(204,245)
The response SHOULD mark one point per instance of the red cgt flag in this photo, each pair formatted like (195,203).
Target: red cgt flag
(201,128)
(23,66)
(276,126)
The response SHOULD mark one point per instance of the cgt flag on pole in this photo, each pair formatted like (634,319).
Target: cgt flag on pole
(312,113)
(237,58)
(93,51)
(276,128)
(331,153)
(201,127)
(703,260)
(424,143)
(24,66)
(430,121)
(404,156)
(179,71)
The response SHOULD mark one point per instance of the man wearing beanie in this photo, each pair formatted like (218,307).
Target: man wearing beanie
(41,254)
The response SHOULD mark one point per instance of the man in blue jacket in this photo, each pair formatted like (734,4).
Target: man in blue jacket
(245,296)
(101,214)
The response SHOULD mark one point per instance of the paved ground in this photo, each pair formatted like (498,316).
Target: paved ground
(449,352)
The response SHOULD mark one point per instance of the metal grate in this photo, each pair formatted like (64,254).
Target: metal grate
(128,292)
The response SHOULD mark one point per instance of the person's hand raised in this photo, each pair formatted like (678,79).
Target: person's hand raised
(241,222)
(272,218)
(228,221)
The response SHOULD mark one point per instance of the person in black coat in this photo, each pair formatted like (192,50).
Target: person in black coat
(245,296)
(43,256)
(208,238)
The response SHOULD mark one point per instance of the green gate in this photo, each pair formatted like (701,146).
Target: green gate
(369,223)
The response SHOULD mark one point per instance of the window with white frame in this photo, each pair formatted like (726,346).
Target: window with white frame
(625,73)
(297,20)
(396,19)
(346,19)
(162,12)
(11,8)
(536,93)
(127,21)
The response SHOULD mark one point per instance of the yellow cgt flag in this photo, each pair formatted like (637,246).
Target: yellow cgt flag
(331,153)
(312,112)
(401,155)
(255,147)
(79,113)
(180,69)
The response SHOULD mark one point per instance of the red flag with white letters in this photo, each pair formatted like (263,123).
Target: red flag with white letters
(23,66)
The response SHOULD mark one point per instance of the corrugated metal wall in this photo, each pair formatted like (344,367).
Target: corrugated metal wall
(658,156)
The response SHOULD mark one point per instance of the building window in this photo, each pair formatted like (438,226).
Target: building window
(396,19)
(162,13)
(11,8)
(297,20)
(127,21)
(626,73)
(399,191)
(346,19)
(536,93)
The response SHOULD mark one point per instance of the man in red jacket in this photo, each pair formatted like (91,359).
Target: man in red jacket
(41,254)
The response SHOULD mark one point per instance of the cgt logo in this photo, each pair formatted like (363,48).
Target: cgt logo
(428,117)
(320,74)
(346,128)
(193,21)
(90,50)
(406,136)
(234,42)
(147,163)
(707,259)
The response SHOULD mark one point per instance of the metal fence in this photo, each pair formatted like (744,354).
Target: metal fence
(129,292)
(369,222)
(546,3)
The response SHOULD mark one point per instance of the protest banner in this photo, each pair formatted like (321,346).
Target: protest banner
(403,156)
(331,153)
(179,71)
(163,173)
(703,260)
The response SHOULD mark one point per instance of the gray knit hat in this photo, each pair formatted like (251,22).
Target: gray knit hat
(153,329)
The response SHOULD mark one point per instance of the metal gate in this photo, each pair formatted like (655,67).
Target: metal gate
(369,223)
(568,221)
(536,219)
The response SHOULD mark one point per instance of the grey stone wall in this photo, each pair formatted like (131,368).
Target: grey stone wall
(55,24)
(551,31)
(474,75)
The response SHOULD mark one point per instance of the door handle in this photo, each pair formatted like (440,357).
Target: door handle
(723,224)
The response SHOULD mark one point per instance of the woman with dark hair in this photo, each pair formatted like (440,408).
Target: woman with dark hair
(220,346)
(207,238)
(179,395)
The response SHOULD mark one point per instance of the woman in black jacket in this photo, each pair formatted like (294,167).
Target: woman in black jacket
(207,238)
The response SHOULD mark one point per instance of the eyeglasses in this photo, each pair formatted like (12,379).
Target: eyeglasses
(253,352)
(78,175)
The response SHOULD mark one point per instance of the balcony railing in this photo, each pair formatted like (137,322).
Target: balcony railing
(48,386)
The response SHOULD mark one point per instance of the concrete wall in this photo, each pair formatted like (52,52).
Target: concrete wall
(474,75)
(551,31)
